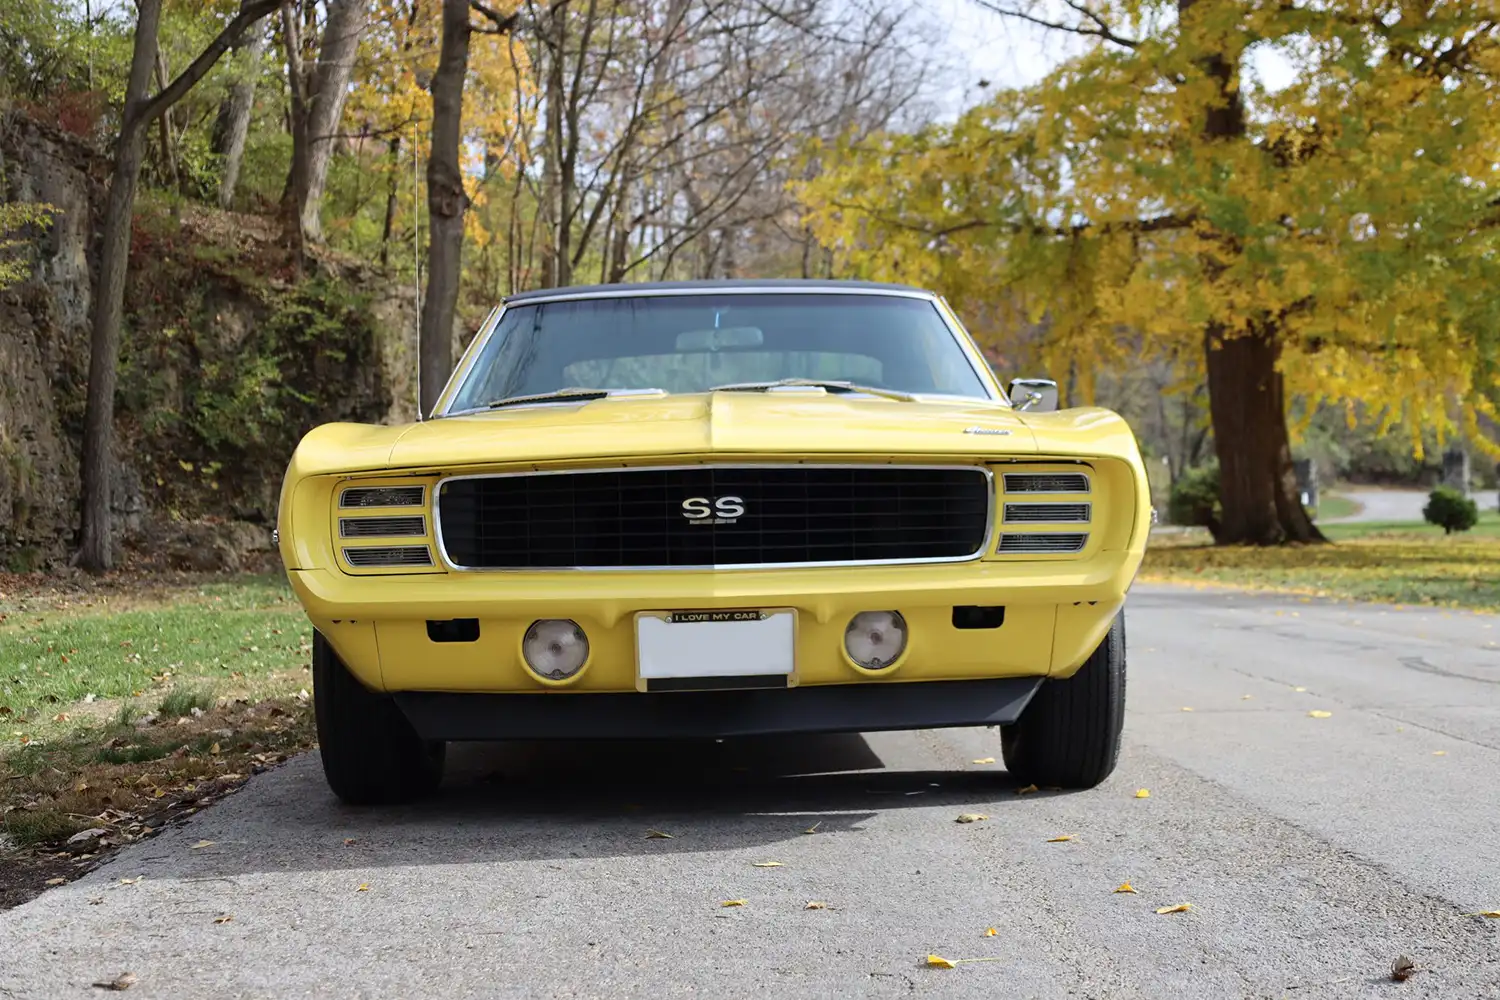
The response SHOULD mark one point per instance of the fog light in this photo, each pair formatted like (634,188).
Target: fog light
(555,648)
(874,639)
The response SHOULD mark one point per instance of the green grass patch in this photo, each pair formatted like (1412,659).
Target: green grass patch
(1488,527)
(1331,505)
(1405,566)
(164,640)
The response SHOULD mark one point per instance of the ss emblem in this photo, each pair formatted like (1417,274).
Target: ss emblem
(715,510)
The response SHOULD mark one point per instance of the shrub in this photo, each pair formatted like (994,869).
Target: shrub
(1450,510)
(1194,499)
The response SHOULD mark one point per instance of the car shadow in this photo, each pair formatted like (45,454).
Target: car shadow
(555,801)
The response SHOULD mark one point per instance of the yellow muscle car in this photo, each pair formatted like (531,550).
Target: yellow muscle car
(715,509)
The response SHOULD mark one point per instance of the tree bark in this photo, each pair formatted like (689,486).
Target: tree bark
(325,108)
(96,541)
(233,125)
(295,194)
(393,162)
(1257,483)
(169,173)
(446,204)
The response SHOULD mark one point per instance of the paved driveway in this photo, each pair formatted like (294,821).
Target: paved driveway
(1399,505)
(1313,851)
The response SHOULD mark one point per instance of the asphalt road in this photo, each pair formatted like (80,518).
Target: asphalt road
(1398,505)
(1313,851)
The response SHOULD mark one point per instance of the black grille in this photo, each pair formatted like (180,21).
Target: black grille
(796,514)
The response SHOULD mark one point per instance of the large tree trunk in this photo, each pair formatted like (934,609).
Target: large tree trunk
(1257,483)
(233,124)
(294,196)
(446,203)
(96,542)
(325,109)
(96,549)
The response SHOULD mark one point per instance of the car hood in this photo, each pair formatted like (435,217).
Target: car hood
(737,422)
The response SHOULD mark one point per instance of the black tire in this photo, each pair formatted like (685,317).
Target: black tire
(1069,735)
(371,754)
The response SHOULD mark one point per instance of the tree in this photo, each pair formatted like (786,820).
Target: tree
(96,550)
(1325,240)
(233,124)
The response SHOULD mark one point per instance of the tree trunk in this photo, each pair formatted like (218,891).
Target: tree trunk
(169,175)
(555,251)
(325,107)
(1257,484)
(446,203)
(96,549)
(295,194)
(393,158)
(233,124)
(96,542)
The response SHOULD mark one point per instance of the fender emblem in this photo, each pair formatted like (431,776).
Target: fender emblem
(985,430)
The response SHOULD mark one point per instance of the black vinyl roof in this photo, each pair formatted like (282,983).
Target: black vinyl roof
(653,287)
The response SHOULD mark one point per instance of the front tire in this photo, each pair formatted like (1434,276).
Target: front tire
(1069,735)
(371,754)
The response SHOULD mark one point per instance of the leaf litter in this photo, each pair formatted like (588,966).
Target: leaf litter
(970,817)
(1179,908)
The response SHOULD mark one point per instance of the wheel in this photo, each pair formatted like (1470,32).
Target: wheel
(371,754)
(1069,735)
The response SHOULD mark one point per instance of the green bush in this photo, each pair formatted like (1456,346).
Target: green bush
(1450,510)
(1194,499)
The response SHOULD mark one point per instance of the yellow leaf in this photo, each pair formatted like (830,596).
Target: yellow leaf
(657,835)
(1299,689)
(1125,887)
(1061,839)
(131,881)
(82,786)
(201,844)
(1492,914)
(1440,753)
(970,817)
(1186,709)
(1246,697)
(56,881)
(814,827)
(814,904)
(1179,908)
(939,962)
(1318,713)
(985,760)
(223,919)
(990,932)
(1027,790)
(1143,793)
(214,749)
(363,887)
(767,864)
(733,902)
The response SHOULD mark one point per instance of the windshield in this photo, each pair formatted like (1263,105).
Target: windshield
(692,343)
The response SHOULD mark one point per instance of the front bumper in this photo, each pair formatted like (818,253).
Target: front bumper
(852,708)
(1055,615)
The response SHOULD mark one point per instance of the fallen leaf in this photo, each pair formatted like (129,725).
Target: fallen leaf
(201,844)
(1318,713)
(767,864)
(1299,689)
(1027,790)
(1143,793)
(131,881)
(1061,839)
(990,932)
(733,902)
(363,887)
(814,827)
(1125,887)
(89,834)
(939,962)
(1402,968)
(1440,753)
(1492,914)
(985,760)
(814,904)
(349,840)
(970,817)
(1186,709)
(82,786)
(657,835)
(1246,697)
(223,919)
(214,749)
(123,981)
(56,881)
(1179,908)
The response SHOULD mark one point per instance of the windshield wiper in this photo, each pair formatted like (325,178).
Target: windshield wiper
(829,385)
(569,394)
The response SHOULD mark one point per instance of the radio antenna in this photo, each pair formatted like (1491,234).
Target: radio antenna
(416,255)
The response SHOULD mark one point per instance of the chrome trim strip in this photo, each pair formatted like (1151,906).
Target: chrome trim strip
(421,498)
(442,549)
(1088,483)
(1079,541)
(1088,512)
(346,522)
(977,364)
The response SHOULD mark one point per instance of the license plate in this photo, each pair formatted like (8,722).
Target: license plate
(673,645)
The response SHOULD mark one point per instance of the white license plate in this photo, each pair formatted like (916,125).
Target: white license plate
(741,643)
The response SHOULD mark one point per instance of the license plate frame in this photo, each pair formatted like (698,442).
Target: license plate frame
(715,646)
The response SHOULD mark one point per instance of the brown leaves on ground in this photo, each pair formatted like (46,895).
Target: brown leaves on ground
(1403,968)
(123,981)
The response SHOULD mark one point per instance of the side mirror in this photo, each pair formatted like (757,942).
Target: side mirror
(1036,394)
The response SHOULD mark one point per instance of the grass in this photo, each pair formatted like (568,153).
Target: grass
(122,708)
(1390,563)
(1331,505)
